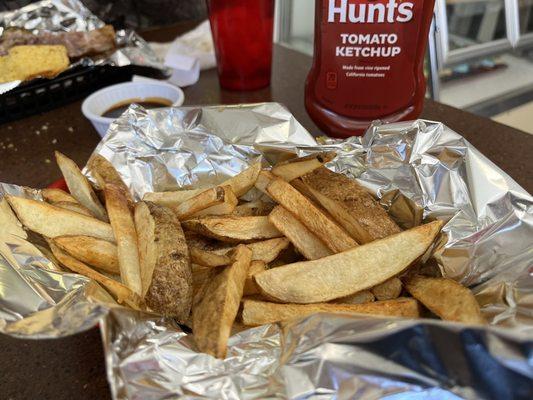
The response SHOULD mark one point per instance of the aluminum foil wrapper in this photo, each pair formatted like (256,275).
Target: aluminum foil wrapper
(418,170)
(72,16)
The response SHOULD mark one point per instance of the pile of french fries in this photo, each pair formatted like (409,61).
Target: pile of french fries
(315,241)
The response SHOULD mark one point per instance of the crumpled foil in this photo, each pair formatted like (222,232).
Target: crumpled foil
(419,170)
(71,16)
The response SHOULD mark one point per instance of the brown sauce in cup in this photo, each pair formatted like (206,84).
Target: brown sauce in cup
(116,110)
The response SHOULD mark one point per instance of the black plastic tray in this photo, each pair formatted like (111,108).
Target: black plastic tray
(46,94)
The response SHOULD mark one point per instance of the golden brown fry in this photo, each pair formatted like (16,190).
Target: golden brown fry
(364,296)
(268,250)
(208,258)
(104,172)
(333,236)
(76,207)
(446,298)
(122,293)
(126,237)
(249,285)
(233,229)
(240,184)
(51,221)
(342,274)
(57,195)
(388,290)
(98,253)
(9,222)
(79,186)
(296,167)
(145,227)
(350,205)
(201,201)
(253,209)
(261,312)
(227,206)
(215,313)
(305,242)
(170,291)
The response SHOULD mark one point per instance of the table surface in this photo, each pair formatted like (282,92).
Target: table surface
(74,366)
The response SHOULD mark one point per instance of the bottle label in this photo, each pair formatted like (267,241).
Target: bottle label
(368,57)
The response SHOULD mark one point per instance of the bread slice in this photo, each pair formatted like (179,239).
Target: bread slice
(350,205)
(33,61)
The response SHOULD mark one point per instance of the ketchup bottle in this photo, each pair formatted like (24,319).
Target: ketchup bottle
(368,63)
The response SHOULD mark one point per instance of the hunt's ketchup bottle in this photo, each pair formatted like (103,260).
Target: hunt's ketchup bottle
(368,63)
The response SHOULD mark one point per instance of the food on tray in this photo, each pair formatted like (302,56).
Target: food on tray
(446,298)
(193,254)
(26,62)
(350,205)
(261,312)
(76,44)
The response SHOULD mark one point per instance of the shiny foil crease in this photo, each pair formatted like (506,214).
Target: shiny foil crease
(71,16)
(419,170)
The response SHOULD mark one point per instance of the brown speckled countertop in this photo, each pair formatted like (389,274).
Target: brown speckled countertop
(73,367)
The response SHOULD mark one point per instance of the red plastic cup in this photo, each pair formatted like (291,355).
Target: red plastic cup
(242,32)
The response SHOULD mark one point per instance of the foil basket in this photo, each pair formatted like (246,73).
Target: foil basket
(71,16)
(419,170)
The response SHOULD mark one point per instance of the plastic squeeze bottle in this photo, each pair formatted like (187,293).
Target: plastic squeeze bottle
(368,63)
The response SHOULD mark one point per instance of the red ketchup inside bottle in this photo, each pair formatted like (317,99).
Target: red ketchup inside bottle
(368,63)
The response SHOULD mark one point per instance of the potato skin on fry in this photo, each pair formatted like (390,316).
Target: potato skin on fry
(171,290)
(447,298)
(261,312)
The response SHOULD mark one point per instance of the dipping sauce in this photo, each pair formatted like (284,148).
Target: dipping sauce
(116,110)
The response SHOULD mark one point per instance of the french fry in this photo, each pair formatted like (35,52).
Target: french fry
(253,209)
(215,313)
(364,296)
(446,298)
(257,313)
(227,206)
(9,222)
(240,184)
(126,237)
(208,258)
(249,285)
(76,207)
(98,253)
(342,274)
(268,250)
(170,291)
(104,172)
(350,205)
(201,278)
(388,290)
(79,186)
(122,293)
(57,195)
(51,221)
(294,168)
(201,201)
(333,236)
(303,240)
(233,229)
